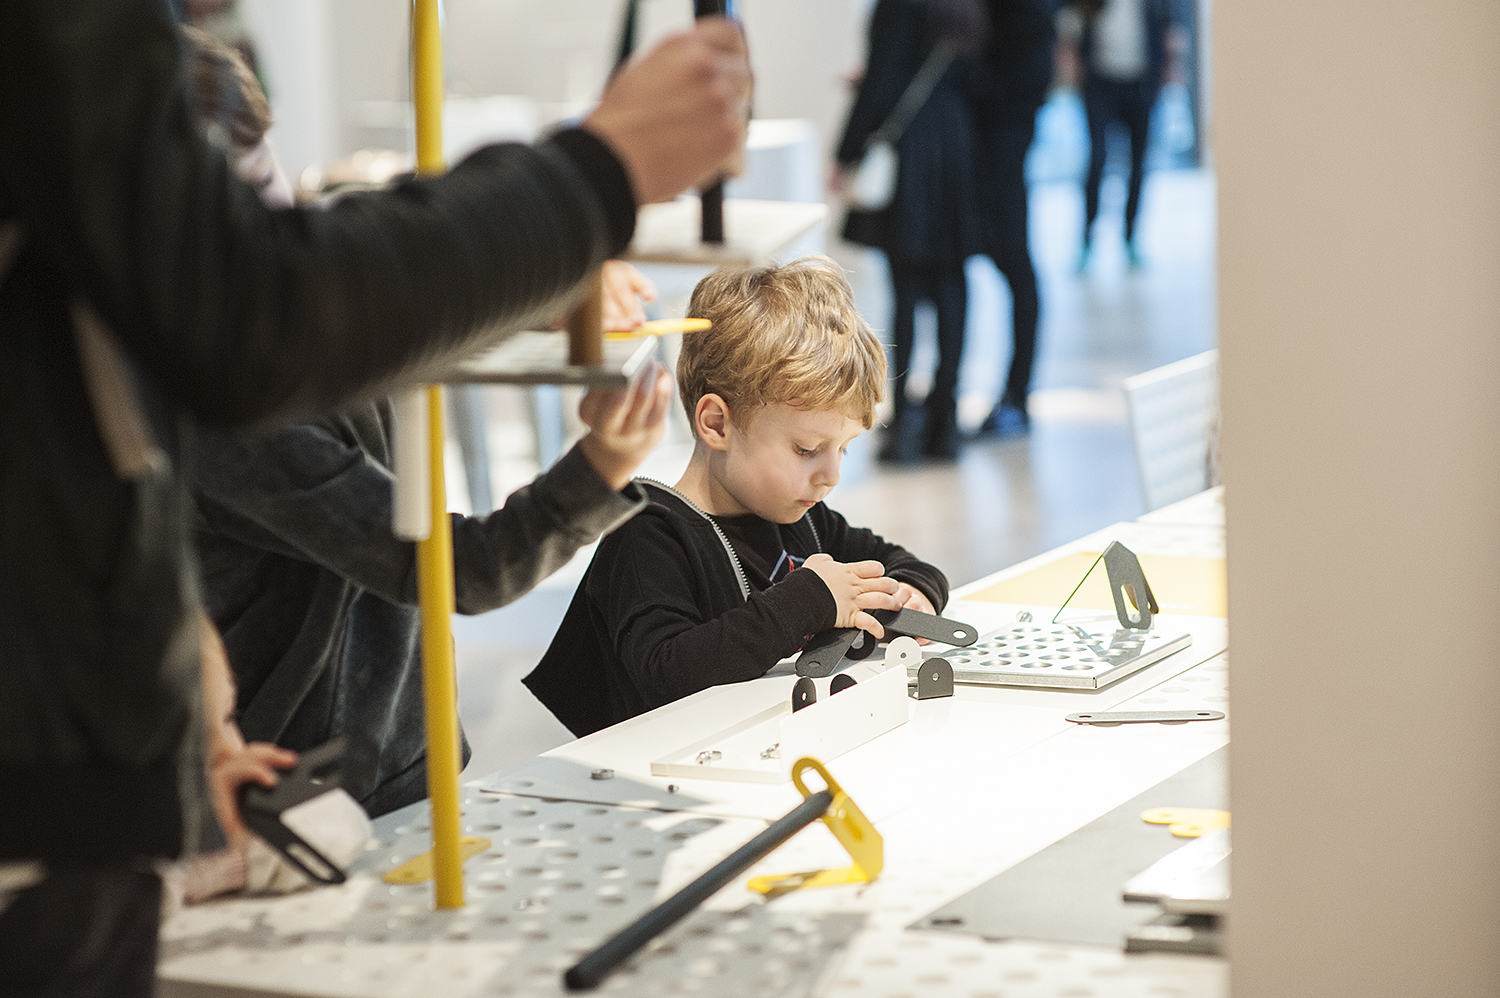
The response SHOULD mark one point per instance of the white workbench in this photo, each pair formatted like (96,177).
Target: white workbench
(969,787)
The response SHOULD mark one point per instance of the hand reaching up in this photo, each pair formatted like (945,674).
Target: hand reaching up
(624,424)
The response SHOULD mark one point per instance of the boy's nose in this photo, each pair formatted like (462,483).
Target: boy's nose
(826,474)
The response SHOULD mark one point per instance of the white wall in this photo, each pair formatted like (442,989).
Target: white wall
(324,57)
(1358,150)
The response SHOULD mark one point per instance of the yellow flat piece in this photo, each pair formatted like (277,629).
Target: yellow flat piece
(1187,822)
(1193,586)
(419,868)
(661,327)
(784,883)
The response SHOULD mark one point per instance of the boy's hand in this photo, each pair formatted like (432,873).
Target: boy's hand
(624,290)
(913,598)
(624,424)
(856,588)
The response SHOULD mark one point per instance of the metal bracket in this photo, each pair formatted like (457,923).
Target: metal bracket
(934,679)
(1135,603)
(317,772)
(1146,716)
(916,624)
(840,683)
(804,694)
(825,650)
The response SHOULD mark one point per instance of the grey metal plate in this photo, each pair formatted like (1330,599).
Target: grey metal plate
(541,358)
(1070,891)
(1052,655)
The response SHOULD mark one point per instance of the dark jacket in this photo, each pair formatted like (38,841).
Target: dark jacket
(661,615)
(1008,82)
(931,220)
(316,598)
(229,312)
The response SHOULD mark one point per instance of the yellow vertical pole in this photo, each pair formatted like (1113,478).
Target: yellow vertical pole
(435,554)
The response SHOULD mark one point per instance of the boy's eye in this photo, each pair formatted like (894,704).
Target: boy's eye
(804,452)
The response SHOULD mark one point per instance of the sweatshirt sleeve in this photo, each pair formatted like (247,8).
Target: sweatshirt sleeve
(305,493)
(669,650)
(241,312)
(850,544)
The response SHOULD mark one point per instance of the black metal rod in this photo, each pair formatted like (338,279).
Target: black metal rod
(592,969)
(712,197)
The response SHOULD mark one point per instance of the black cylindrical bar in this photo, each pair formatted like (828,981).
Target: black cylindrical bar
(592,969)
(712,197)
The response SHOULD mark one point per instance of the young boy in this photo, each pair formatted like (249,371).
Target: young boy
(732,570)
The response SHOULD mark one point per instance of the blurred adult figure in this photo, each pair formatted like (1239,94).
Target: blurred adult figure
(1006,86)
(929,227)
(1123,49)
(142,284)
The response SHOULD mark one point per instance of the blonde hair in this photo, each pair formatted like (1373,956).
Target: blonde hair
(782,334)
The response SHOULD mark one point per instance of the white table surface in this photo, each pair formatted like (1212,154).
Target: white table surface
(968,787)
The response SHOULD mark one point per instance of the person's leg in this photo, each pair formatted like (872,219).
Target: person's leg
(1008,247)
(1097,108)
(1135,110)
(905,293)
(88,932)
(950,300)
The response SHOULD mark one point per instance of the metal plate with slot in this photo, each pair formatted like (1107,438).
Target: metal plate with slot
(317,772)
(916,624)
(1146,716)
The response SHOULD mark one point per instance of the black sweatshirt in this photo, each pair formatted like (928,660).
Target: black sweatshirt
(661,614)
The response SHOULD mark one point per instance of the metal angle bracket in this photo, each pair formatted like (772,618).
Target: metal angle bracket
(934,679)
(1135,603)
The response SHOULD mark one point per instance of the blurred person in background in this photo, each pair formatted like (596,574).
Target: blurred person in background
(141,284)
(1125,51)
(1006,86)
(930,226)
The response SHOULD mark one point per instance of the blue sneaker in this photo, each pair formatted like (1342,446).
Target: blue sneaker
(1133,256)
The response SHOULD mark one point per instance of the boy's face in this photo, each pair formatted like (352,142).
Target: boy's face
(779,460)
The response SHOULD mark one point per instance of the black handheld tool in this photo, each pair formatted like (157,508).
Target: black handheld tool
(592,969)
(318,771)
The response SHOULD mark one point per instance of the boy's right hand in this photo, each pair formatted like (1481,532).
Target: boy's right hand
(624,424)
(857,588)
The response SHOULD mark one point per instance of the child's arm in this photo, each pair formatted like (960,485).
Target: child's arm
(305,492)
(924,583)
(648,596)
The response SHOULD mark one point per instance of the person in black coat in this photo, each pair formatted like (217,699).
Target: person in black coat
(929,228)
(1006,87)
(1123,49)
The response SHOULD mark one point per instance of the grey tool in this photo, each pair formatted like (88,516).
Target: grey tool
(1146,716)
(916,624)
(840,683)
(825,650)
(804,693)
(934,679)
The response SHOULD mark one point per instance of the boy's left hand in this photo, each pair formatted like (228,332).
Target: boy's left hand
(624,424)
(625,288)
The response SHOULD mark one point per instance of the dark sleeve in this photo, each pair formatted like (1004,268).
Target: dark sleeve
(645,586)
(897,34)
(240,311)
(850,544)
(306,493)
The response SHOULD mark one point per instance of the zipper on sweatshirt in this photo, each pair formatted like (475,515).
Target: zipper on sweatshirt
(734,558)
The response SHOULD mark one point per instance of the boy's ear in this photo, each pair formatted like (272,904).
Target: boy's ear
(711,422)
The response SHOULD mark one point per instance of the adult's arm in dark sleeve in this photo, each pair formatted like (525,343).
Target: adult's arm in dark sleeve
(897,31)
(850,544)
(242,312)
(304,492)
(667,647)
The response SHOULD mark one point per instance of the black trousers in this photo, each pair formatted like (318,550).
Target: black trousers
(84,932)
(1004,139)
(948,291)
(1130,103)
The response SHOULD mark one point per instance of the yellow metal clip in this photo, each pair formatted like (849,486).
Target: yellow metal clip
(420,868)
(848,824)
(1187,822)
